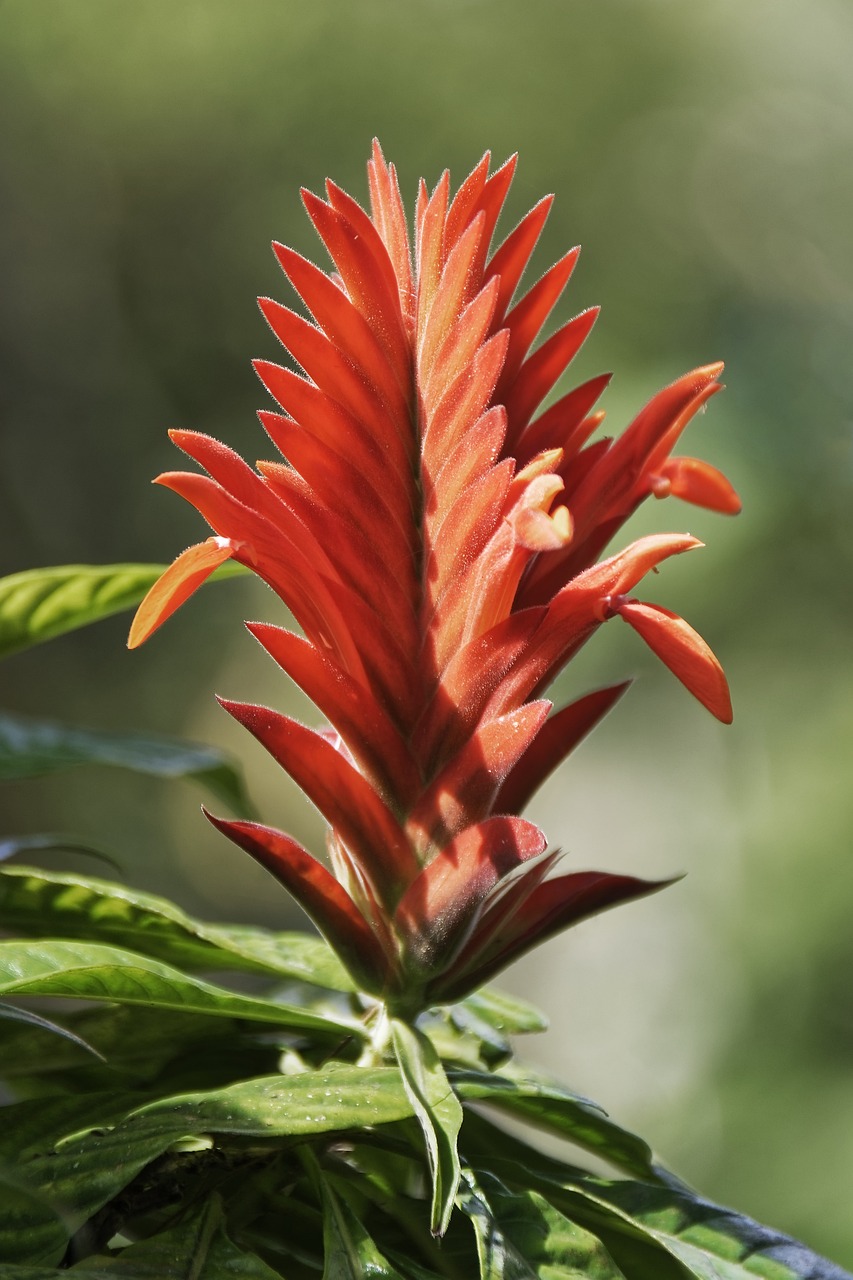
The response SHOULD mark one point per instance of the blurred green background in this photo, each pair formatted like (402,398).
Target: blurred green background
(702,155)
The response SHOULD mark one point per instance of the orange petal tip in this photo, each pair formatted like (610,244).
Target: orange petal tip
(183,577)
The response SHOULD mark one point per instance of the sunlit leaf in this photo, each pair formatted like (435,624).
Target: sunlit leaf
(92,971)
(520,1236)
(438,1112)
(507,1014)
(461,1040)
(43,903)
(42,603)
(349,1252)
(548,1106)
(32,748)
(70,1179)
(711,1242)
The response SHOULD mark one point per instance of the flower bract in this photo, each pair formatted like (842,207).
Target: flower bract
(442,540)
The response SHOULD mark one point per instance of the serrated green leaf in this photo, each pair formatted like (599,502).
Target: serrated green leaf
(32,748)
(520,1236)
(557,1110)
(438,1111)
(40,902)
(349,1252)
(92,971)
(75,1176)
(505,1013)
(39,604)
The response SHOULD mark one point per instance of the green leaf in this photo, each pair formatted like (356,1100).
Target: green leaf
(42,603)
(146,1048)
(91,971)
(349,1252)
(198,1249)
(23,1205)
(550,1107)
(438,1112)
(32,748)
(520,1236)
(11,1013)
(74,1177)
(710,1242)
(36,1125)
(461,1040)
(41,903)
(660,1230)
(504,1013)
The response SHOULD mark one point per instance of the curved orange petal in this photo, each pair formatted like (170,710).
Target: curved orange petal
(684,651)
(183,576)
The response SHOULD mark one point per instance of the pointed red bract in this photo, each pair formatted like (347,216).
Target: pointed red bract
(439,546)
(319,893)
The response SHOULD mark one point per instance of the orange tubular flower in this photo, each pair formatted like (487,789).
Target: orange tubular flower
(439,546)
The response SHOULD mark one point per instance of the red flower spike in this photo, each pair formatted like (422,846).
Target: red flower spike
(439,547)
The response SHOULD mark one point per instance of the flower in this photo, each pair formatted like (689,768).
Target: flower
(438,543)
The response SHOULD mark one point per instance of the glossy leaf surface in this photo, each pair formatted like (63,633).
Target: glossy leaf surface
(350,1253)
(520,1236)
(68,906)
(712,1242)
(92,971)
(550,1107)
(71,1178)
(438,1112)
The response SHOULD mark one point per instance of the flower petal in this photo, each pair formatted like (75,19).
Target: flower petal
(540,372)
(510,260)
(183,576)
(355,712)
(465,789)
(698,482)
(684,651)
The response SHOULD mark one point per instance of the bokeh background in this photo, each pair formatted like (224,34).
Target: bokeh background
(702,155)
